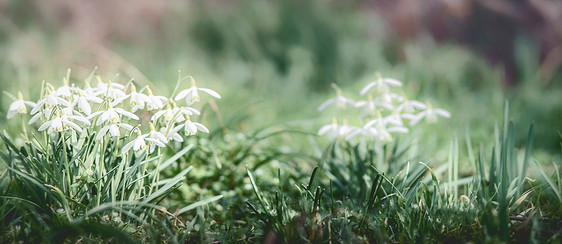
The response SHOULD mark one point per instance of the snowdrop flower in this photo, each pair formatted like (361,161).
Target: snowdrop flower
(157,136)
(387,100)
(330,130)
(112,115)
(190,127)
(382,132)
(139,143)
(113,129)
(154,102)
(59,124)
(48,103)
(110,90)
(19,106)
(137,100)
(173,135)
(365,131)
(82,101)
(339,100)
(39,115)
(176,112)
(334,130)
(191,94)
(430,114)
(381,84)
(64,91)
(410,106)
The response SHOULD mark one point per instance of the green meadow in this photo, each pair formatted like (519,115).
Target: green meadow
(233,148)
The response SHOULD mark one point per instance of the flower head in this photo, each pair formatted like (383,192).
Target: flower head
(339,100)
(191,94)
(139,143)
(190,127)
(110,90)
(381,84)
(112,115)
(113,129)
(430,114)
(19,106)
(137,100)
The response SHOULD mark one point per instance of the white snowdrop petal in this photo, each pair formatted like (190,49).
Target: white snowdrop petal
(126,113)
(34,118)
(201,127)
(31,104)
(176,129)
(442,112)
(392,82)
(157,115)
(73,125)
(210,92)
(398,129)
(11,113)
(418,105)
(182,94)
(324,129)
(367,88)
(126,126)
(160,136)
(157,142)
(326,104)
(127,146)
(44,126)
(114,130)
(38,106)
(63,102)
(190,110)
(102,132)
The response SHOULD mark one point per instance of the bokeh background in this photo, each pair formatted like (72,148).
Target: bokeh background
(274,61)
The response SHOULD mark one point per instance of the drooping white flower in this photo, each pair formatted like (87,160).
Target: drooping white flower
(154,102)
(335,130)
(110,90)
(19,106)
(137,100)
(111,115)
(190,128)
(139,143)
(46,113)
(430,114)
(381,84)
(113,129)
(65,91)
(339,100)
(382,132)
(191,94)
(410,106)
(176,112)
(158,137)
(59,124)
(82,101)
(171,134)
(48,103)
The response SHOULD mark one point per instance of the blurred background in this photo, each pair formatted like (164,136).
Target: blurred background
(274,61)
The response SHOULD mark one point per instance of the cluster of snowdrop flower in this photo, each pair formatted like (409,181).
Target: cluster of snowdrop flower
(382,112)
(107,109)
